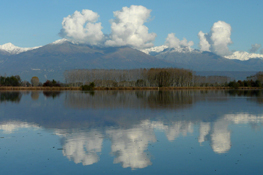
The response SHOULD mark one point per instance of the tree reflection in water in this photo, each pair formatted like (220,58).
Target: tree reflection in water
(52,94)
(129,120)
(35,95)
(14,97)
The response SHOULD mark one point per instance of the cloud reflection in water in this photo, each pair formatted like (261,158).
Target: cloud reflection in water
(83,147)
(130,134)
(129,145)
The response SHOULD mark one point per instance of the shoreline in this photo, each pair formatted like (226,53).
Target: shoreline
(9,88)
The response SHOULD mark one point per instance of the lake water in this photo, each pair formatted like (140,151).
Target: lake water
(131,132)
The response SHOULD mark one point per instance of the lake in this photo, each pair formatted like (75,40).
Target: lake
(131,132)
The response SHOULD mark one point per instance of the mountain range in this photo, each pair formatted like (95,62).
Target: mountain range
(52,60)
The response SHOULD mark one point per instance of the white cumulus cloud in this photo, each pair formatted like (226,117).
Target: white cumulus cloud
(203,44)
(173,42)
(82,27)
(217,39)
(128,29)
(254,48)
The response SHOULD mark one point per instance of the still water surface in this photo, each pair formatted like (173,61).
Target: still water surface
(131,132)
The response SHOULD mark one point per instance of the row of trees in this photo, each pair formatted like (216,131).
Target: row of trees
(16,81)
(48,83)
(258,76)
(205,81)
(10,81)
(154,77)
(245,83)
(252,81)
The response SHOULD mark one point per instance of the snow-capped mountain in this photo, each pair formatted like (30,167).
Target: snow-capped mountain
(60,41)
(12,49)
(164,48)
(156,49)
(52,60)
(238,55)
(243,56)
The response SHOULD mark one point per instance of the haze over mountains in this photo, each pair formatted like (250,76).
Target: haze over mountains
(50,61)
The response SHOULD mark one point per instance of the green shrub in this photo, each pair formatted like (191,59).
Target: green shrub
(89,87)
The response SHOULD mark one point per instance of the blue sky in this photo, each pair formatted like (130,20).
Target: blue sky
(28,23)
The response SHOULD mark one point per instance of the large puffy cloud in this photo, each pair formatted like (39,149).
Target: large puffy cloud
(128,28)
(173,42)
(81,27)
(217,40)
(254,48)
(203,44)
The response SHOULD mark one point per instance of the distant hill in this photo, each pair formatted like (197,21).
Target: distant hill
(208,61)
(50,61)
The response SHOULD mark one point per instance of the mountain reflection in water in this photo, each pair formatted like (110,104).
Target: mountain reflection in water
(130,119)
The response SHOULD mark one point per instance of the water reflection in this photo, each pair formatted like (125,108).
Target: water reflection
(10,97)
(220,137)
(246,93)
(35,95)
(129,120)
(11,127)
(129,145)
(82,147)
(52,94)
(130,99)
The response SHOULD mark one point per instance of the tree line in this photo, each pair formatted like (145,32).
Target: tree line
(10,81)
(153,77)
(251,81)
(16,81)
